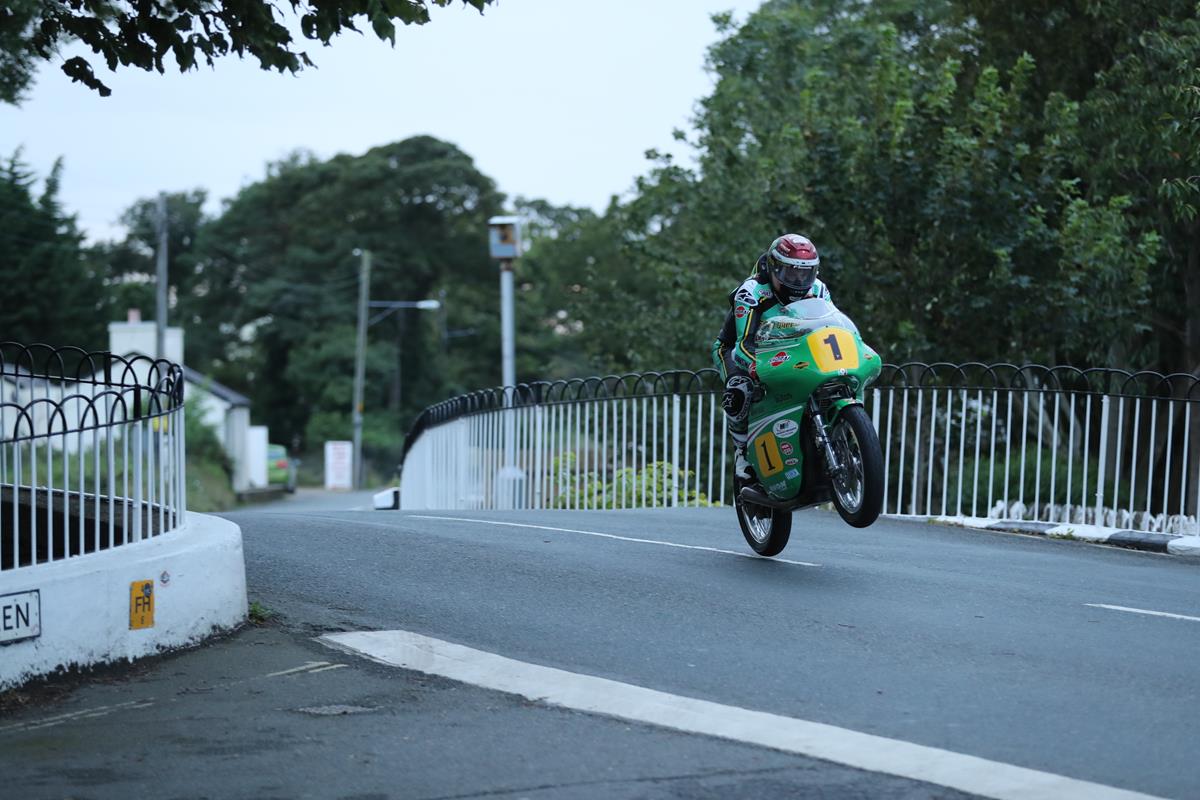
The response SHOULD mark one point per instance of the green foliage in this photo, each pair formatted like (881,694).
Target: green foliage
(141,35)
(202,441)
(277,275)
(947,172)
(656,484)
(50,291)
(209,471)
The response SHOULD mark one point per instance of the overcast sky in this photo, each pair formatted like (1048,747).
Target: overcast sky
(553,98)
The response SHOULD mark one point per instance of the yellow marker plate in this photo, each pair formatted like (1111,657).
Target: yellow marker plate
(769,459)
(141,605)
(833,349)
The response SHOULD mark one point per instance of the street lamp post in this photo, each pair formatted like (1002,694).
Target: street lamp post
(360,350)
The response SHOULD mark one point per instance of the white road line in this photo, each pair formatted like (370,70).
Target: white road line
(74,716)
(1143,611)
(615,536)
(326,669)
(304,668)
(594,695)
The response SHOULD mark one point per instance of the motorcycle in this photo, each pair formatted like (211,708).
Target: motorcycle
(810,439)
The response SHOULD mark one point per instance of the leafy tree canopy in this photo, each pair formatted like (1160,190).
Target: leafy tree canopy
(50,290)
(142,34)
(986,181)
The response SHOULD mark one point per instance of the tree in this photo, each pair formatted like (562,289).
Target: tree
(275,274)
(142,34)
(946,180)
(130,267)
(49,290)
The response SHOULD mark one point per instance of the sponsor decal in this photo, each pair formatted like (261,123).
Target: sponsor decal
(785,428)
(800,365)
(792,474)
(791,462)
(777,487)
(785,448)
(20,616)
(165,578)
(746,297)
(740,312)
(779,358)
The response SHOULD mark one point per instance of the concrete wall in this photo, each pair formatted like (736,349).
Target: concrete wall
(256,456)
(237,429)
(199,587)
(139,337)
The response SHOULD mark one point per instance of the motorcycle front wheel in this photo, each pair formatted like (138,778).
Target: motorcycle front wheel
(766,529)
(858,491)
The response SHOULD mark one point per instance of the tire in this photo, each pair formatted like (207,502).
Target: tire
(772,525)
(854,440)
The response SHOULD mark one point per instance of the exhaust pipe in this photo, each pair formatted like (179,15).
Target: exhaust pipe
(749,494)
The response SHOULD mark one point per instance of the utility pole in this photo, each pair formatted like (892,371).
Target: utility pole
(504,245)
(160,316)
(360,362)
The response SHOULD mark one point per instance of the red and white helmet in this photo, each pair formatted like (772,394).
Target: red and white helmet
(792,263)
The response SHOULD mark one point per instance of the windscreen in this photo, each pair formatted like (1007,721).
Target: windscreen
(801,318)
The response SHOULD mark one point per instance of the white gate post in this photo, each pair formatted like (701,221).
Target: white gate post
(1104,406)
(675,451)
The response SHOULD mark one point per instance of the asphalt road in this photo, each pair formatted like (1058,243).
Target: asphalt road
(974,642)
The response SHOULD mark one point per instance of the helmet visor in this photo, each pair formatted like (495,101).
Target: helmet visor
(796,277)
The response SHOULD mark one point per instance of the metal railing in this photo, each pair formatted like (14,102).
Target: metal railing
(1059,444)
(91,452)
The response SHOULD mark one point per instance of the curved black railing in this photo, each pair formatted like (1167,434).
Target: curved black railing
(91,451)
(105,389)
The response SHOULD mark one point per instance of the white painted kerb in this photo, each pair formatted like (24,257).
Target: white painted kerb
(85,600)
(596,695)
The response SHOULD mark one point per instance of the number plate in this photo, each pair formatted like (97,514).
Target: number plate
(769,459)
(833,349)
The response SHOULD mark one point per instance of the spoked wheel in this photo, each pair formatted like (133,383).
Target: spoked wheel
(858,490)
(766,529)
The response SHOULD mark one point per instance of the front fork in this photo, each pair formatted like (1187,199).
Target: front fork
(823,443)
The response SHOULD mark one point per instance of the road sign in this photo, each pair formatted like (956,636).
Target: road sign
(20,616)
(339,466)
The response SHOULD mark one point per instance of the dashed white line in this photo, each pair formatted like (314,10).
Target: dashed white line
(326,669)
(302,668)
(603,535)
(1145,611)
(75,716)
(594,695)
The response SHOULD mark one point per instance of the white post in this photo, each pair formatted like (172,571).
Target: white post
(1100,470)
(675,451)
(511,476)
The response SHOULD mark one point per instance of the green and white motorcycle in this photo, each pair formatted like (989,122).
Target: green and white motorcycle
(810,439)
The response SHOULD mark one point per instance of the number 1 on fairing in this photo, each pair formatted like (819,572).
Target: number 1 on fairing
(834,347)
(766,457)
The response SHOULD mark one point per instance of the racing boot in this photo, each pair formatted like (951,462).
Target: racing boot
(741,467)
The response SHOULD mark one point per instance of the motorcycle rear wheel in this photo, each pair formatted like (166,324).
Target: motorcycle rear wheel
(766,529)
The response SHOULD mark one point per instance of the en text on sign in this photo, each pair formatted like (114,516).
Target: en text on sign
(20,616)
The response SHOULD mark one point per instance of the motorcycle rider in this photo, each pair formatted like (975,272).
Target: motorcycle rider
(785,273)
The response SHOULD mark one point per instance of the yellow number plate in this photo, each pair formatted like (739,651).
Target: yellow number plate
(141,605)
(833,349)
(769,459)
